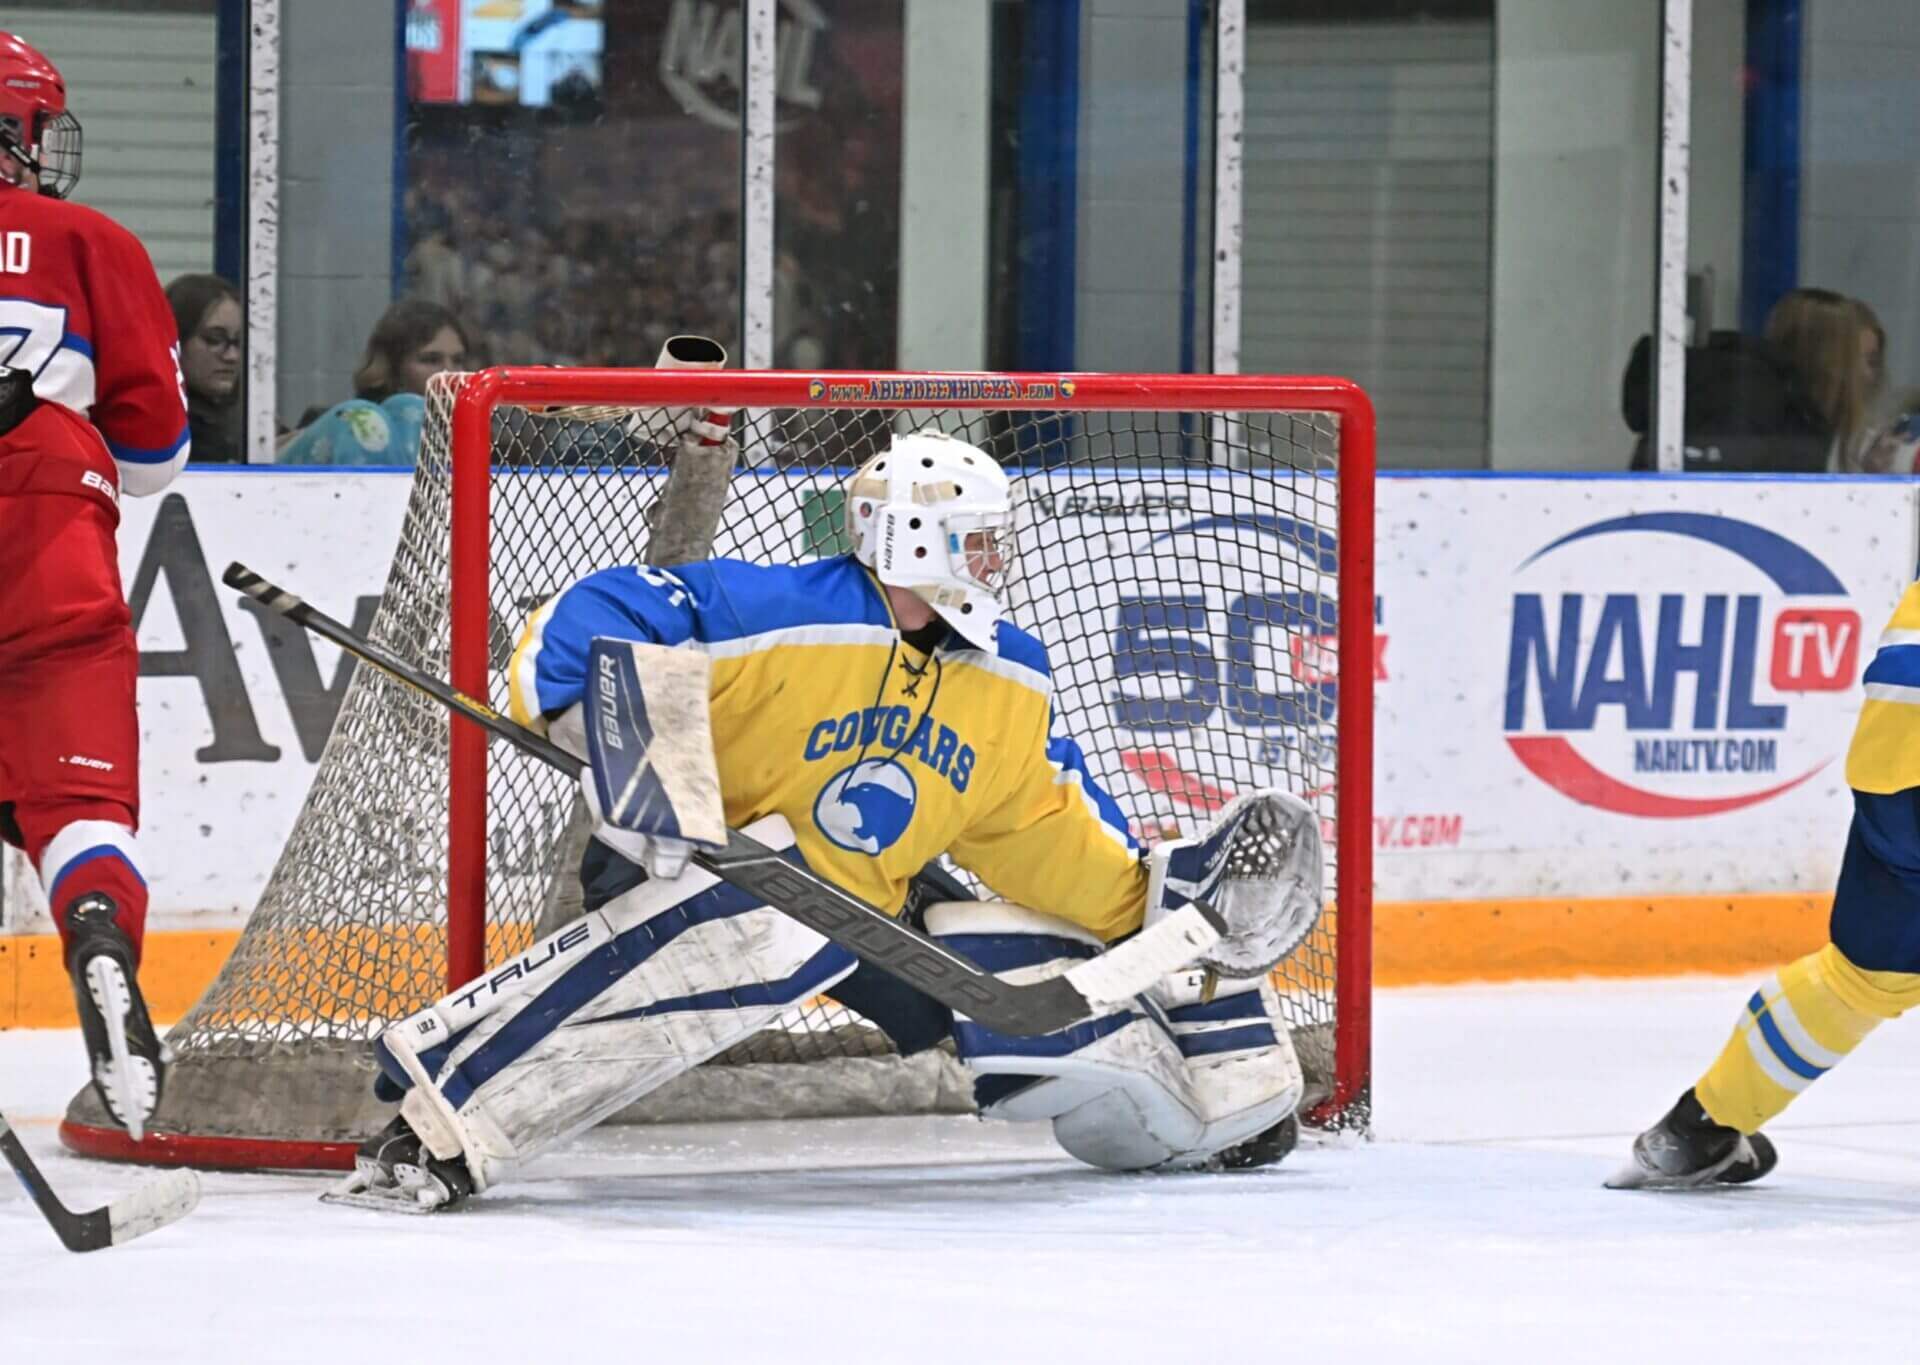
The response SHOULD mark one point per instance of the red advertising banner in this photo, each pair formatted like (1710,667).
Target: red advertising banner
(433,51)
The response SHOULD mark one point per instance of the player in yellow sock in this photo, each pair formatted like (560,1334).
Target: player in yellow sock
(1803,1020)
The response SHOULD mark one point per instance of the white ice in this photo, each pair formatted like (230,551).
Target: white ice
(1473,1228)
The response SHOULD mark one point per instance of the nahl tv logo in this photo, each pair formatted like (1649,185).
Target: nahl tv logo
(1689,700)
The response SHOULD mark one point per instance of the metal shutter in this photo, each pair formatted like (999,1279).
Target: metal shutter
(1369,221)
(142,86)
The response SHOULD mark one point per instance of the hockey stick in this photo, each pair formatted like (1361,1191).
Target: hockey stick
(165,1199)
(1090,988)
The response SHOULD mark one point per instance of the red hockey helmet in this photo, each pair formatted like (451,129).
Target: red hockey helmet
(35,126)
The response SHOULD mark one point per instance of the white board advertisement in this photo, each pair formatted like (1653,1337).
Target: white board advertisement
(1624,686)
(235,704)
(1583,686)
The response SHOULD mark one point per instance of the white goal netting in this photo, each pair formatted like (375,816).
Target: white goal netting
(1183,567)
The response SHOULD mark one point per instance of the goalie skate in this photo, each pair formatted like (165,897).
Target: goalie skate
(393,1172)
(1268,1148)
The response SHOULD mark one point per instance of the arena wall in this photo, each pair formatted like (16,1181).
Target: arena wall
(1612,714)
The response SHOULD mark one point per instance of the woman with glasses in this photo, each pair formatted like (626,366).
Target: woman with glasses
(206,309)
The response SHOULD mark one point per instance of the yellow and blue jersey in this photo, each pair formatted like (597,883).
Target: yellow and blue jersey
(880,757)
(1885,754)
(1876,905)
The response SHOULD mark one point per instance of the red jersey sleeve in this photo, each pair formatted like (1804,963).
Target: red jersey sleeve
(140,405)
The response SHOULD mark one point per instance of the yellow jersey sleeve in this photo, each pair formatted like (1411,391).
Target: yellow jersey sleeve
(1885,754)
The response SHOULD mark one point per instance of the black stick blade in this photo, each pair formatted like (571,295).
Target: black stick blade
(165,1199)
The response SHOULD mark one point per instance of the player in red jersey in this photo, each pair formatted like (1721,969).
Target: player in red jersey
(91,406)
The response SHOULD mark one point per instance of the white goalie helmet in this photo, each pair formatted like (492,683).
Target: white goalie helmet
(934,515)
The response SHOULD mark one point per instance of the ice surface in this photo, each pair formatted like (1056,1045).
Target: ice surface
(1473,1229)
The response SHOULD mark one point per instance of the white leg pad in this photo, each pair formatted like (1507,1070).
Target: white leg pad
(660,979)
(1240,1059)
(1166,1083)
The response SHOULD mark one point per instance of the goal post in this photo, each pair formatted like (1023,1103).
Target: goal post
(1196,554)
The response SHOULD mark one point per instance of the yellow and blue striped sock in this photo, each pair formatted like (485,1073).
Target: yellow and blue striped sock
(1797,1027)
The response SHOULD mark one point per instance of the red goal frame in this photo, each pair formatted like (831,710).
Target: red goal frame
(1347,1106)
(472,439)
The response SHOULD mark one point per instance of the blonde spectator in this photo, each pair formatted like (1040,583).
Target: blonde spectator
(1838,348)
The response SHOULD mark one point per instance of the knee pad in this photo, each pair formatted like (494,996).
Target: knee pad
(1165,1083)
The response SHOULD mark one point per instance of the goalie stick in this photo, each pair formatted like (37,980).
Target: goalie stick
(1091,988)
(165,1199)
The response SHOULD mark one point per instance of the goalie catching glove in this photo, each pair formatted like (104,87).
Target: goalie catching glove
(1260,865)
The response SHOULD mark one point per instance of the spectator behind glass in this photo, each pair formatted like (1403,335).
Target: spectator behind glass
(1838,348)
(206,310)
(413,341)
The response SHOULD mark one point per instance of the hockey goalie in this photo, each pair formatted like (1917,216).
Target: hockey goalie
(864,714)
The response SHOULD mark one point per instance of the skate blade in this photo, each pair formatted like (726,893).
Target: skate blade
(1629,1177)
(359,1192)
(1634,1176)
(390,1199)
(113,997)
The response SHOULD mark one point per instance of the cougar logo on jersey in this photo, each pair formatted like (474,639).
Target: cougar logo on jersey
(937,746)
(866,808)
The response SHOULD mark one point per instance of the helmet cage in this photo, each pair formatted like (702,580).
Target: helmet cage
(51,154)
(980,546)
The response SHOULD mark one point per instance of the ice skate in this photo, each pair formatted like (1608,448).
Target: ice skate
(1687,1149)
(1268,1148)
(393,1172)
(125,1057)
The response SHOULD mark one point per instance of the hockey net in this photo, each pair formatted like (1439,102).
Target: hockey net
(1194,551)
